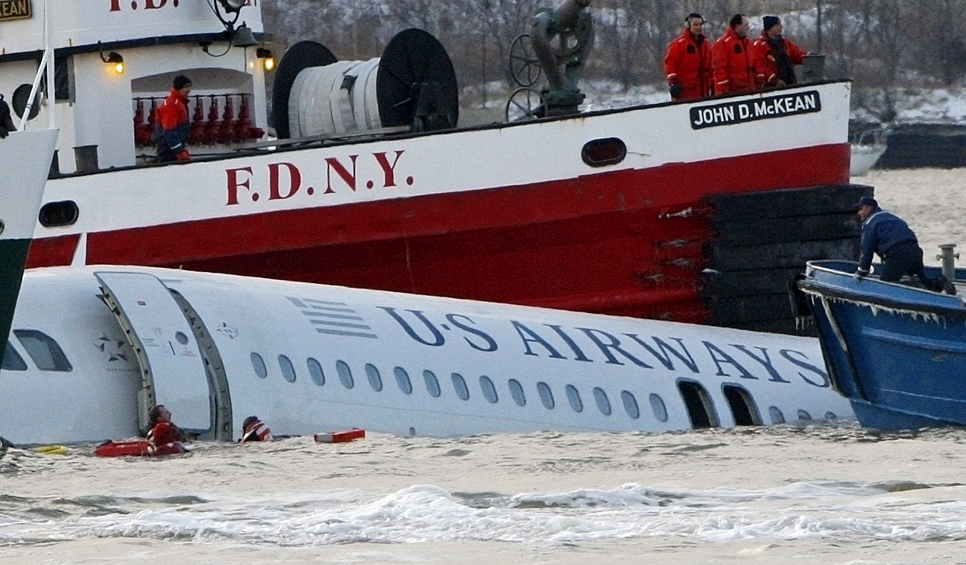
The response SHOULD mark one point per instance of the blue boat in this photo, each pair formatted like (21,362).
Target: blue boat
(895,350)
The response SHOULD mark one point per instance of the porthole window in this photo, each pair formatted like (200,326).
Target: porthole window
(776,415)
(546,395)
(658,407)
(181,338)
(804,416)
(345,374)
(12,361)
(630,405)
(432,384)
(460,385)
(402,379)
(315,371)
(375,380)
(489,391)
(288,371)
(574,397)
(516,391)
(45,352)
(603,152)
(603,403)
(58,214)
(259,365)
(831,416)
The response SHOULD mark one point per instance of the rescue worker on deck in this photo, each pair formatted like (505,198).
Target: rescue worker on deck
(6,122)
(732,59)
(172,124)
(776,56)
(688,61)
(891,238)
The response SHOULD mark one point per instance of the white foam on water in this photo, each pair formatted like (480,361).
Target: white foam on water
(427,513)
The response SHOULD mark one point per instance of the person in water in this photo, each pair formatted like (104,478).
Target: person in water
(166,437)
(254,429)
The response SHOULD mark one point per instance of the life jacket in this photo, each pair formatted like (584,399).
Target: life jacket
(255,430)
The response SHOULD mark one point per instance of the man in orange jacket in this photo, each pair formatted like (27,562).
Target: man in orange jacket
(732,59)
(775,56)
(688,61)
(171,122)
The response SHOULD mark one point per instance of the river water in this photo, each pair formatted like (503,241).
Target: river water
(831,493)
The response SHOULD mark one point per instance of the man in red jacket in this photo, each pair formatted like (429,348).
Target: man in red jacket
(171,122)
(732,60)
(688,61)
(775,56)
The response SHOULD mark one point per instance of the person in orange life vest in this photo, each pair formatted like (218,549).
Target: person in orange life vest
(775,56)
(732,59)
(172,124)
(165,436)
(254,430)
(688,61)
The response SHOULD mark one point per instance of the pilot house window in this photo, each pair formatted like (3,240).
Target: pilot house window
(45,352)
(12,361)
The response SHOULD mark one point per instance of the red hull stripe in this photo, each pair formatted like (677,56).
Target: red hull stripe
(593,243)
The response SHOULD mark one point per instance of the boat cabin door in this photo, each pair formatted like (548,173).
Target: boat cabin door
(179,366)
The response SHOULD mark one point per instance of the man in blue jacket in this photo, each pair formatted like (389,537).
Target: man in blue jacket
(889,236)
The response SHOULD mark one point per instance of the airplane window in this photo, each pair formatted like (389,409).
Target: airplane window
(657,405)
(12,361)
(402,379)
(574,398)
(516,391)
(45,352)
(259,364)
(630,405)
(288,371)
(776,415)
(315,371)
(603,403)
(489,391)
(345,374)
(546,396)
(432,384)
(803,415)
(460,385)
(375,381)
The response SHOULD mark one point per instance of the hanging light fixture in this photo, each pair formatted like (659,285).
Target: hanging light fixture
(113,58)
(267,57)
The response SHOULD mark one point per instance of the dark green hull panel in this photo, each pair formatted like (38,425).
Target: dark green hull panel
(13,257)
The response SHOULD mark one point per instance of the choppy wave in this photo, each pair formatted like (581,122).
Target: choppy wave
(858,512)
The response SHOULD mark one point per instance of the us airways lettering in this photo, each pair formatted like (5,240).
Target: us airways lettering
(117,5)
(593,345)
(335,175)
(779,106)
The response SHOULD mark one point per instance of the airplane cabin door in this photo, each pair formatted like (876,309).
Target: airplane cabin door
(174,368)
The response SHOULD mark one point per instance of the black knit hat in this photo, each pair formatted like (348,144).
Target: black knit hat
(769,22)
(181,81)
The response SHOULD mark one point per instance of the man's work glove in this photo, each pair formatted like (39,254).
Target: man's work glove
(676,90)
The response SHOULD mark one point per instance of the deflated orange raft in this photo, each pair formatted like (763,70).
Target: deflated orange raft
(124,448)
(339,437)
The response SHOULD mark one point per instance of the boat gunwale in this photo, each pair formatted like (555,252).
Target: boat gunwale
(823,289)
